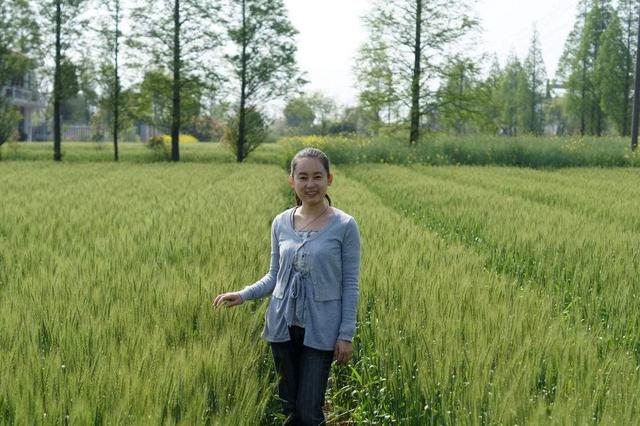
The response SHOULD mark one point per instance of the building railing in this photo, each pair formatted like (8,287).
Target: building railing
(23,95)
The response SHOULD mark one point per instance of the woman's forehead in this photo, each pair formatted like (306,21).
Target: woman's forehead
(309,165)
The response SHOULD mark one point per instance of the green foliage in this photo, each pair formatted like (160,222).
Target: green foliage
(512,95)
(20,36)
(534,94)
(262,59)
(9,119)
(610,76)
(299,115)
(522,151)
(153,101)
(375,75)
(256,128)
(161,144)
(583,92)
(458,98)
(161,150)
(407,70)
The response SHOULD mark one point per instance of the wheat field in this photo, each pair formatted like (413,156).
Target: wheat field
(489,295)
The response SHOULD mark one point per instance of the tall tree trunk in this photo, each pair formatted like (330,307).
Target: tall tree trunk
(242,134)
(627,83)
(534,127)
(599,114)
(636,97)
(57,87)
(583,96)
(116,97)
(415,82)
(583,90)
(175,122)
(460,94)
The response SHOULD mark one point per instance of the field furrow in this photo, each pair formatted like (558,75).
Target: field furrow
(444,340)
(591,269)
(604,201)
(107,274)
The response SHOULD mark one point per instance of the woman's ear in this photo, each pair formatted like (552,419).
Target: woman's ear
(290,181)
(330,178)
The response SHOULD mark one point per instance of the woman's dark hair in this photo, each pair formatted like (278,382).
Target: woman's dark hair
(310,153)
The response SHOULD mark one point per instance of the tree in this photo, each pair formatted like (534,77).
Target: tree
(110,35)
(299,115)
(179,37)
(610,75)
(263,60)
(583,94)
(152,101)
(421,31)
(256,131)
(489,99)
(375,75)
(512,89)
(324,109)
(628,13)
(572,69)
(64,18)
(535,88)
(457,98)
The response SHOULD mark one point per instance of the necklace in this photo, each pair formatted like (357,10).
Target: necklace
(307,225)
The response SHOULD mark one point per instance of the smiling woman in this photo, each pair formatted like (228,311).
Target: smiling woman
(313,284)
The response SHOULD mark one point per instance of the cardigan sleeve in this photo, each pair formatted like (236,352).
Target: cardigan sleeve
(266,284)
(350,277)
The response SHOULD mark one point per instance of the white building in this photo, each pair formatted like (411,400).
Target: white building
(23,95)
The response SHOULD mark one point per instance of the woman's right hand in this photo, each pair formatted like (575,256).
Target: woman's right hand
(228,299)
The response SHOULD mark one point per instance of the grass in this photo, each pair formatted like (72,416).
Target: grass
(131,152)
(107,272)
(489,295)
(434,149)
(450,335)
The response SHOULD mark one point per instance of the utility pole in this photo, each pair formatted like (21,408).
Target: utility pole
(636,95)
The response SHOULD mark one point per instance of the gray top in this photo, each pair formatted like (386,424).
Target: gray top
(301,285)
(328,263)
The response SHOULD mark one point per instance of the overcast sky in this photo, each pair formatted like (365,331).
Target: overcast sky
(330,32)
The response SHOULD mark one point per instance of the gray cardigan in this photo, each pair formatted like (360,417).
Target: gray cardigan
(334,259)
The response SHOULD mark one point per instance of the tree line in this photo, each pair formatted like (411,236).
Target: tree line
(590,94)
(186,55)
(209,67)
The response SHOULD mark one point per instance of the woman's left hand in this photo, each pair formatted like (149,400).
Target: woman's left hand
(343,351)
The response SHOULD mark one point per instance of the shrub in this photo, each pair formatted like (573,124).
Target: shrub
(161,149)
(182,139)
(436,149)
(9,118)
(257,132)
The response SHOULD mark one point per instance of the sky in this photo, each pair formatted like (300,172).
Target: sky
(330,32)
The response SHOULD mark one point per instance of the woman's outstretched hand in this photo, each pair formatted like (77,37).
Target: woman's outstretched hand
(343,351)
(228,299)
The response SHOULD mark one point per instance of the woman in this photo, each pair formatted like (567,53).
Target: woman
(313,283)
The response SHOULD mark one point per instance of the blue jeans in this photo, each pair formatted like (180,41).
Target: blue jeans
(303,372)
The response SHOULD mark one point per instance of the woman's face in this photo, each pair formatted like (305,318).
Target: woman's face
(310,180)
